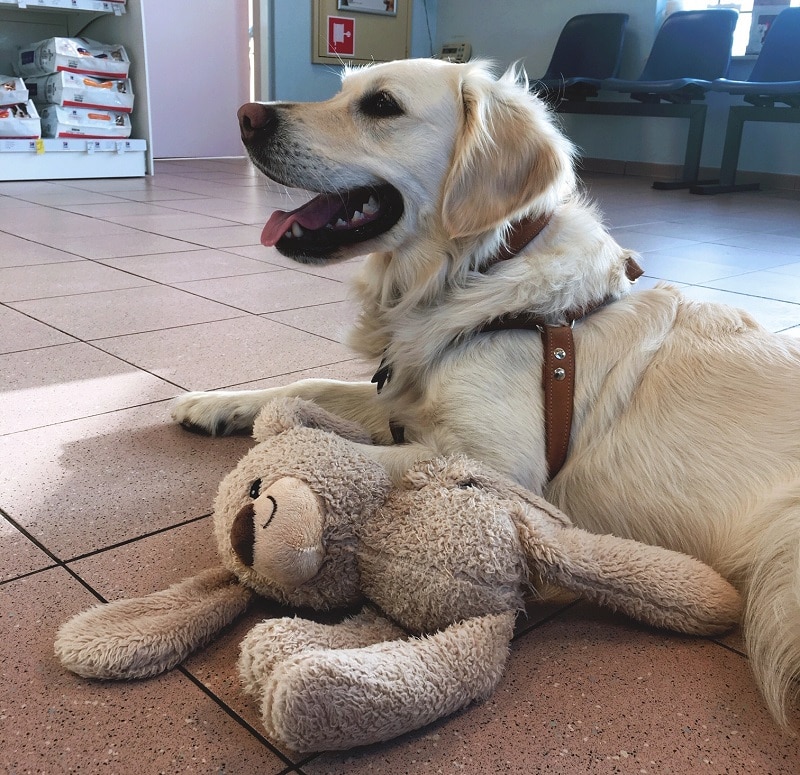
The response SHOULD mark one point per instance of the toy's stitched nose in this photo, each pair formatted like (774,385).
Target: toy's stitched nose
(256,118)
(243,534)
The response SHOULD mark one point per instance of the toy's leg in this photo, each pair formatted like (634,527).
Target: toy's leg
(274,640)
(337,699)
(144,636)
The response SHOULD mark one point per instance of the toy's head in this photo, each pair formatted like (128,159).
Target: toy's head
(286,518)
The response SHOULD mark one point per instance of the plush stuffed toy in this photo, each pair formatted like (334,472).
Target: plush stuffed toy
(443,560)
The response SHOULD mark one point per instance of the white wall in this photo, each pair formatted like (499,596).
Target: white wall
(199,75)
(524,29)
(527,31)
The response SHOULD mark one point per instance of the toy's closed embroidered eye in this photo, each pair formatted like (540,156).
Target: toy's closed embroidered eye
(255,489)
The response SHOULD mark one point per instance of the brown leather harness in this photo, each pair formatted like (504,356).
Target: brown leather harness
(558,346)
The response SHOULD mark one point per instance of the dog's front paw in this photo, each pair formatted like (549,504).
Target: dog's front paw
(217,413)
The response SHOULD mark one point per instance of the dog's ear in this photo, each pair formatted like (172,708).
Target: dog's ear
(283,414)
(509,157)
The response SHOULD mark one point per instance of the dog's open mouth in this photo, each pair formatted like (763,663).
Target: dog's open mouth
(331,221)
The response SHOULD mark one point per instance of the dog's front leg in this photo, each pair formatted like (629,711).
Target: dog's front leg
(221,412)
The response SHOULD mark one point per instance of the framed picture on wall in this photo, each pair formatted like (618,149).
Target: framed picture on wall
(383,7)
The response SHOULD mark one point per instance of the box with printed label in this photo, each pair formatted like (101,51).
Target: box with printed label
(84,122)
(20,121)
(12,90)
(74,90)
(75,55)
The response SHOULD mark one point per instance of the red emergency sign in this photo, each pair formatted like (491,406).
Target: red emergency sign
(341,36)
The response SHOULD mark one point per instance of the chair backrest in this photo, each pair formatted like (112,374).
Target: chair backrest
(590,45)
(692,44)
(779,59)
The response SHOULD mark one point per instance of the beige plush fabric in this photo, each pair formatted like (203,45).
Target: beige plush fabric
(142,637)
(308,517)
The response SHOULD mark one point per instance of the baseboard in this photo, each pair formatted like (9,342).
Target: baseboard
(641,169)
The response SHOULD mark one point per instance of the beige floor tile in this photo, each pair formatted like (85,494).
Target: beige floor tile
(228,352)
(223,236)
(96,482)
(56,384)
(19,332)
(18,251)
(125,242)
(63,723)
(270,292)
(331,321)
(188,265)
(18,554)
(126,311)
(45,281)
(592,693)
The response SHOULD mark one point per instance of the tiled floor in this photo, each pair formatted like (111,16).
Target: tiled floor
(115,295)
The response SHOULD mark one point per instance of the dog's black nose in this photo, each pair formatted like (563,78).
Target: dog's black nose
(256,118)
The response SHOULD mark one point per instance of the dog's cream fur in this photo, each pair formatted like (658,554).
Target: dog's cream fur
(687,415)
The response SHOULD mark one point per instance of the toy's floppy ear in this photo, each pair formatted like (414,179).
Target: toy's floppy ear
(144,636)
(658,586)
(283,414)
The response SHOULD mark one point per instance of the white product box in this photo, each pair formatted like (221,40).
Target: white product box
(75,55)
(12,90)
(84,122)
(74,90)
(20,121)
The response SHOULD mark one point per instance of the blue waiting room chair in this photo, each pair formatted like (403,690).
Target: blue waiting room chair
(588,50)
(691,49)
(773,91)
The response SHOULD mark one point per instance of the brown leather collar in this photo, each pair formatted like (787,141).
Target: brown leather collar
(520,234)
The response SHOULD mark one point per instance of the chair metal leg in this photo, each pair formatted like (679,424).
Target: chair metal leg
(694,146)
(737,115)
(696,113)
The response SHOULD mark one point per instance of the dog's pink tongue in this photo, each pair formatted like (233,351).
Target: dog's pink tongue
(312,215)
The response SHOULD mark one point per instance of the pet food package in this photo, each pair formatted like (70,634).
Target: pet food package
(74,55)
(20,122)
(87,123)
(73,90)
(12,90)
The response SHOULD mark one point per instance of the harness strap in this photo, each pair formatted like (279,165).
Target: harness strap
(558,347)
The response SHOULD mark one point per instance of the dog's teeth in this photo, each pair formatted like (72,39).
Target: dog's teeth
(371,207)
(297,230)
(288,234)
(357,216)
(341,224)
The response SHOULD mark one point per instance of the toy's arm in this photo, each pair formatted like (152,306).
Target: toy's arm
(336,698)
(655,585)
(144,636)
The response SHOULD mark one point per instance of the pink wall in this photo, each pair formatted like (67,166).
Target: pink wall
(199,73)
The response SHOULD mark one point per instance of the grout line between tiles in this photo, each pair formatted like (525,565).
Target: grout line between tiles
(238,719)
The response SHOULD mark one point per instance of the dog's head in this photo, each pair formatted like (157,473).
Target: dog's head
(407,147)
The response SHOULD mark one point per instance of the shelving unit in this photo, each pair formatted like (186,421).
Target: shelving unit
(111,21)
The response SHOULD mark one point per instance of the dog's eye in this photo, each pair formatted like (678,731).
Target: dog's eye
(381,105)
(255,489)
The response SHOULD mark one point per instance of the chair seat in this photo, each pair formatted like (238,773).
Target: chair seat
(654,87)
(676,90)
(553,84)
(756,87)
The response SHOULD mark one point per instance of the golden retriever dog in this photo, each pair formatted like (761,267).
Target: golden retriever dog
(686,426)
